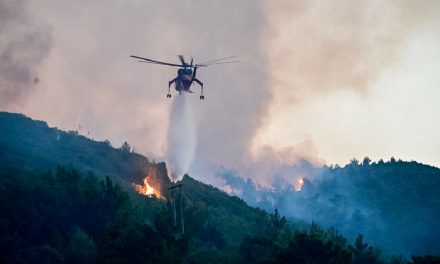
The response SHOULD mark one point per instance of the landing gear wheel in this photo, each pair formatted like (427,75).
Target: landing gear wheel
(202,97)
(168,95)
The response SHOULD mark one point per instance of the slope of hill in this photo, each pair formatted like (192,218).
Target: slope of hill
(42,167)
(30,145)
(68,199)
(395,204)
(61,203)
(229,214)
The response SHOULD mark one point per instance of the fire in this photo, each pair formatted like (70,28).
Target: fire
(230,190)
(299,184)
(148,190)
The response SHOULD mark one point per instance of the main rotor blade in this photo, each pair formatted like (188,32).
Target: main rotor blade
(149,62)
(210,61)
(206,65)
(182,59)
(156,62)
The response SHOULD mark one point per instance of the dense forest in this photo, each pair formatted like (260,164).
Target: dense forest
(393,203)
(68,199)
(31,145)
(69,217)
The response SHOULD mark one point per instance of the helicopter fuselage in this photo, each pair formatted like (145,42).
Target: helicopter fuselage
(184,80)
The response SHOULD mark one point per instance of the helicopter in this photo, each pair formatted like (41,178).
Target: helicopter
(186,75)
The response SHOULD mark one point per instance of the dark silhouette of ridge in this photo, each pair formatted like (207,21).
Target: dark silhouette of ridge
(31,145)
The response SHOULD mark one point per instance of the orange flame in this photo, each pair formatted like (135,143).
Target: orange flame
(299,184)
(148,190)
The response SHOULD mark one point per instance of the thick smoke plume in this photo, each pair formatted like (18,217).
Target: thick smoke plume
(24,43)
(317,47)
(182,136)
(290,51)
(257,117)
(92,82)
(319,51)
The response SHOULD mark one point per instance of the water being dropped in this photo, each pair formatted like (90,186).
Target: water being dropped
(182,136)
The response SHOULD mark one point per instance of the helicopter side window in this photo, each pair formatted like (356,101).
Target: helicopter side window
(180,71)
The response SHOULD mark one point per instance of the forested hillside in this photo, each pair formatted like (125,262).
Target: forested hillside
(68,199)
(31,145)
(395,204)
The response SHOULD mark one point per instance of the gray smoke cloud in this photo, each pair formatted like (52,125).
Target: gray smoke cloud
(93,84)
(328,45)
(24,43)
(290,51)
(316,49)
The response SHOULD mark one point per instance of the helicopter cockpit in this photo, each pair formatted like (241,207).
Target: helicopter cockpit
(184,71)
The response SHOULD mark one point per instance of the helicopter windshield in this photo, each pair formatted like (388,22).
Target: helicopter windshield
(184,71)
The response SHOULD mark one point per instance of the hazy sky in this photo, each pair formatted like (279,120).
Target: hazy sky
(355,78)
(324,80)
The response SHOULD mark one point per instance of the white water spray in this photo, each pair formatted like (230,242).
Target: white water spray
(181,136)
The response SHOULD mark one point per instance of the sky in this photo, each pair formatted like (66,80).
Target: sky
(324,81)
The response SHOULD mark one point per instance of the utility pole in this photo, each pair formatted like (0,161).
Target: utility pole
(182,223)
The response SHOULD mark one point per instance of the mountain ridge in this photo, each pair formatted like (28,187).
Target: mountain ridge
(28,145)
(32,145)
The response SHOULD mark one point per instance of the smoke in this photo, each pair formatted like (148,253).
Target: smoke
(91,81)
(317,47)
(368,198)
(292,53)
(326,61)
(24,44)
(261,117)
(182,136)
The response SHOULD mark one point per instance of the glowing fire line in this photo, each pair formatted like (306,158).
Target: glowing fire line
(148,190)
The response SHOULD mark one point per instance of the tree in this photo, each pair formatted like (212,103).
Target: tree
(366,161)
(81,248)
(354,161)
(276,226)
(212,236)
(309,247)
(365,254)
(107,143)
(425,259)
(126,147)
(258,250)
(129,239)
